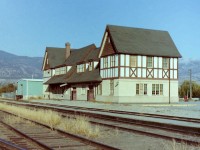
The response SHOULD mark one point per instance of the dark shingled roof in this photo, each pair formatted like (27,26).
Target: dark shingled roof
(79,55)
(93,55)
(84,54)
(142,41)
(59,79)
(56,56)
(85,77)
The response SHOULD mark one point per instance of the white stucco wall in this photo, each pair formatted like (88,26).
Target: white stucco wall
(125,91)
(80,95)
(46,77)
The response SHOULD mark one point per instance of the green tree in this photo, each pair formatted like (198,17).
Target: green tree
(8,88)
(184,89)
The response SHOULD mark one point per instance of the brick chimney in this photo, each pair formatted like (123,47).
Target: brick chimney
(67,50)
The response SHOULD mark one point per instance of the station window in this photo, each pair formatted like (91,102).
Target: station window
(165,63)
(133,61)
(149,62)
(141,89)
(90,66)
(157,89)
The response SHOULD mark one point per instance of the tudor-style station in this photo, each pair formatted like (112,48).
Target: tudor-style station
(132,65)
(138,65)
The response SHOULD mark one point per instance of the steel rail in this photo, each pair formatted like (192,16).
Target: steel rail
(176,128)
(26,136)
(141,123)
(78,137)
(9,146)
(178,118)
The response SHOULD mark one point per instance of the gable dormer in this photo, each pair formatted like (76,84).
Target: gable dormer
(81,67)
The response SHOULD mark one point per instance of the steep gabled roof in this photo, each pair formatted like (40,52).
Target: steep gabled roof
(76,56)
(56,56)
(140,41)
(79,55)
(93,55)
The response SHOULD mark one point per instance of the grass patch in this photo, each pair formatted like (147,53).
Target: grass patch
(173,145)
(15,120)
(35,98)
(78,125)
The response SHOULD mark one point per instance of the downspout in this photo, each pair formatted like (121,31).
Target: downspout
(169,83)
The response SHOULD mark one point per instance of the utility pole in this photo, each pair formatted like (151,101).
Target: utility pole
(190,71)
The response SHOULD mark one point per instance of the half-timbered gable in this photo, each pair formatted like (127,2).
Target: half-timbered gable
(143,60)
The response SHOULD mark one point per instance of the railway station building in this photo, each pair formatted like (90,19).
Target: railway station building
(132,65)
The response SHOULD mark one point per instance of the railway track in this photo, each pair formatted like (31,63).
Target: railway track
(100,113)
(194,120)
(153,129)
(5,145)
(38,136)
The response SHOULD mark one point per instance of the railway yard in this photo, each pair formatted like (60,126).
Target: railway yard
(116,126)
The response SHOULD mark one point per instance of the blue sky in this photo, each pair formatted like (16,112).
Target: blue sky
(28,26)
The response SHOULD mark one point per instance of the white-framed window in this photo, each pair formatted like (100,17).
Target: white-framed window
(133,61)
(141,89)
(90,66)
(157,89)
(57,71)
(81,68)
(165,63)
(112,61)
(62,70)
(149,62)
(105,61)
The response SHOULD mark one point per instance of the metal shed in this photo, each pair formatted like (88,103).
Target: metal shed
(28,88)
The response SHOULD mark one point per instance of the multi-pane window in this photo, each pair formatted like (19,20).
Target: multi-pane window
(111,87)
(62,70)
(99,89)
(133,61)
(161,89)
(57,71)
(149,62)
(112,61)
(157,89)
(145,89)
(90,66)
(137,89)
(105,60)
(165,63)
(81,68)
(141,89)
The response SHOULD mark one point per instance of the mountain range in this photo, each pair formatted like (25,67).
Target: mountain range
(13,68)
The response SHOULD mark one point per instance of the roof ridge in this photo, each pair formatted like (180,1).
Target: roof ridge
(118,26)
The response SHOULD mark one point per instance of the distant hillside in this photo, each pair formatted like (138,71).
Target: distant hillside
(185,65)
(13,67)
